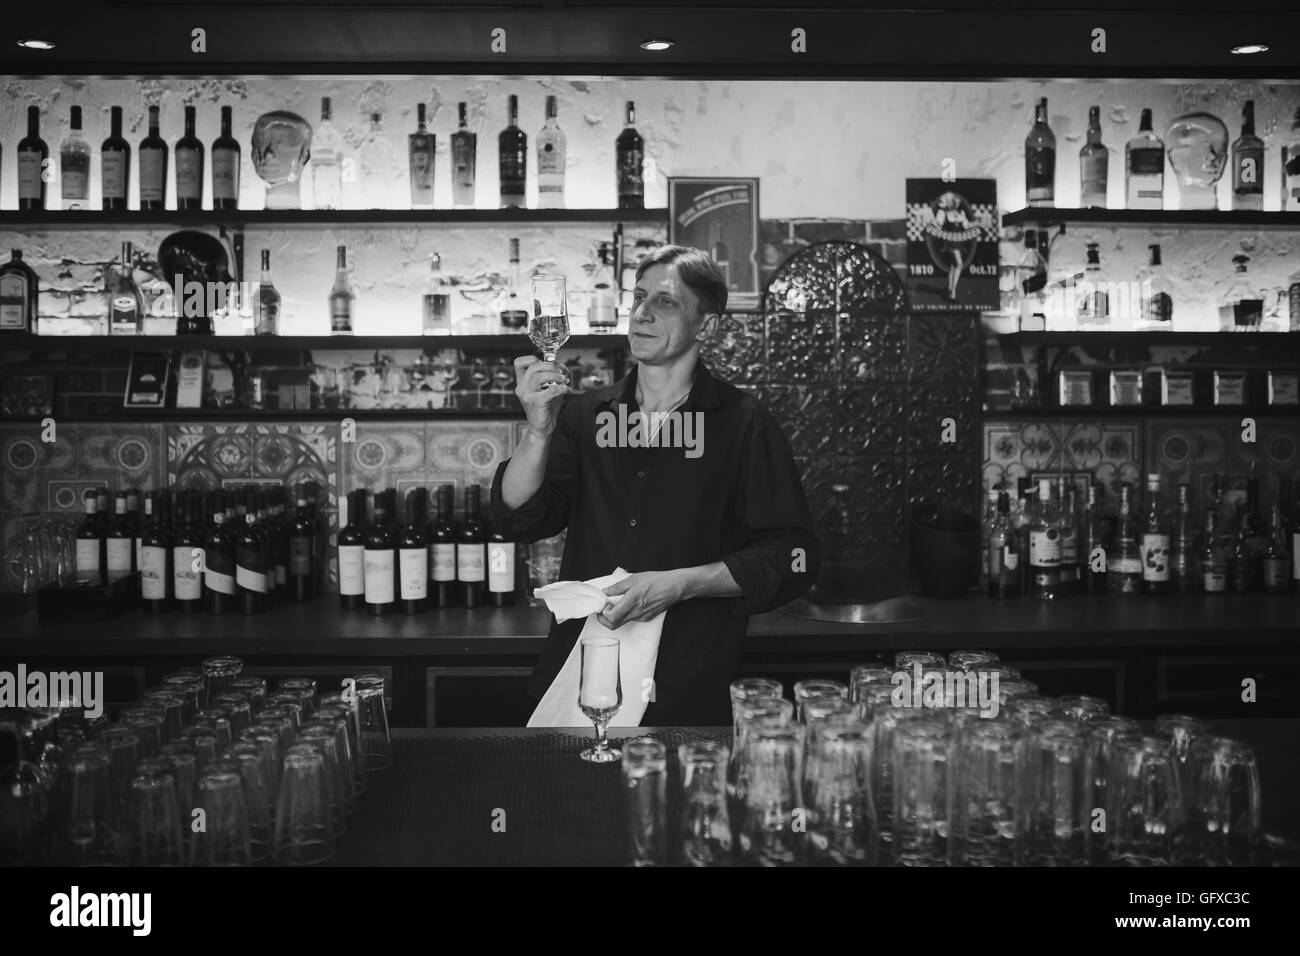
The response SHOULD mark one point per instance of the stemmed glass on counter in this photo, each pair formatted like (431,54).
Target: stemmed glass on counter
(549,325)
(600,693)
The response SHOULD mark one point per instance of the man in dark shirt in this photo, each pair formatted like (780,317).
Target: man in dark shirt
(706,511)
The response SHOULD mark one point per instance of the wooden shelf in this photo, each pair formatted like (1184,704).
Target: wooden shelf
(1153,218)
(1269,340)
(321,218)
(516,341)
(1142,411)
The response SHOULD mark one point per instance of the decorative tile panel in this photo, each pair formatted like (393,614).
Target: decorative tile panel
(49,476)
(1274,453)
(942,349)
(870,420)
(806,417)
(873,347)
(942,480)
(1111,452)
(736,352)
(927,409)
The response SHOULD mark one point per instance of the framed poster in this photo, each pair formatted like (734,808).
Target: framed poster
(720,216)
(952,245)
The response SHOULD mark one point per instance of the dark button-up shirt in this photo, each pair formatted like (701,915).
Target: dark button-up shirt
(739,501)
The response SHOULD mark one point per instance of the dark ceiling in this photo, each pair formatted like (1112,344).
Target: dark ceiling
(1167,39)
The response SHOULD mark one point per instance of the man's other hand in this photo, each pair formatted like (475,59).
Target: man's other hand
(646,595)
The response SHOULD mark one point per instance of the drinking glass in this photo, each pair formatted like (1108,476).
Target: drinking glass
(773,767)
(172,705)
(746,688)
(322,737)
(147,724)
(1057,807)
(548,327)
(600,693)
(923,754)
(973,660)
(304,829)
(92,830)
(1009,689)
(747,712)
(305,689)
(1145,803)
(1222,803)
(705,827)
(191,691)
(1100,738)
(336,722)
(864,675)
(254,687)
(266,738)
(645,777)
(123,748)
(372,718)
(290,703)
(218,672)
(928,660)
(223,841)
(257,799)
(841,819)
(239,712)
(281,720)
(338,705)
(1179,730)
(185,767)
(1028,711)
(805,689)
(503,377)
(478,377)
(155,832)
(1083,707)
(204,741)
(986,808)
(217,719)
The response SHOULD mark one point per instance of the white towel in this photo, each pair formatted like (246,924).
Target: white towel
(638,651)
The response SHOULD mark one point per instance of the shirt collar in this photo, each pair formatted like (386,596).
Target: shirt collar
(704,393)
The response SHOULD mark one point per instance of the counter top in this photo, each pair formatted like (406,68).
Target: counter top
(320,627)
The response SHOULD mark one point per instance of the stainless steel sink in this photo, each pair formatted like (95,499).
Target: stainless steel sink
(893,610)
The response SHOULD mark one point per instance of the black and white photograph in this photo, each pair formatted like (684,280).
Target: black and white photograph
(576,435)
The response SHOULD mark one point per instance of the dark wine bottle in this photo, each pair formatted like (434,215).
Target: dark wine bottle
(442,549)
(302,548)
(115,165)
(250,566)
(320,536)
(352,549)
(153,166)
(219,560)
(280,529)
(512,155)
(630,154)
(187,558)
(413,555)
(500,564)
(266,527)
(155,556)
(119,551)
(225,166)
(381,560)
(471,550)
(189,166)
(90,541)
(33,155)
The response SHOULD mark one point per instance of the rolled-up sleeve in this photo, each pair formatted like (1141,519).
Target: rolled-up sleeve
(781,556)
(547,512)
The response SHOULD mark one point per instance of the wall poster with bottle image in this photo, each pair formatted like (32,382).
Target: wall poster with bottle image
(952,244)
(720,216)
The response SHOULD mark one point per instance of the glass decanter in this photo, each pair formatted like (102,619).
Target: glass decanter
(1197,144)
(281,151)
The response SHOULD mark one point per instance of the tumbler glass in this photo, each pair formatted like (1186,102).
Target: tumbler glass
(744,689)
(1082,707)
(93,830)
(266,738)
(376,744)
(223,840)
(1056,788)
(1179,730)
(155,832)
(973,660)
(1011,688)
(923,754)
(218,672)
(172,704)
(645,776)
(191,690)
(864,675)
(239,710)
(123,747)
(304,828)
(929,660)
(986,807)
(1027,711)
(217,719)
(1145,803)
(1100,738)
(773,764)
(841,820)
(305,688)
(254,687)
(323,736)
(257,799)
(290,703)
(747,712)
(1222,804)
(185,767)
(805,689)
(147,725)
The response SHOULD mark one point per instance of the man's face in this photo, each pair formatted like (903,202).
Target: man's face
(666,319)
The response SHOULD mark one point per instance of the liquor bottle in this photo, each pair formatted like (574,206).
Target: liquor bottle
(1094,165)
(500,564)
(352,549)
(341,298)
(1241,305)
(442,550)
(1214,557)
(1003,553)
(90,542)
(1291,169)
(155,557)
(19,295)
(1126,556)
(115,164)
(251,565)
(437,301)
(629,151)
(125,305)
(1182,568)
(1256,530)
(137,523)
(513,303)
(119,544)
(268,300)
(32,154)
(987,520)
(189,166)
(1157,299)
(376,164)
(74,165)
(1144,168)
(1040,160)
(1031,280)
(320,538)
(471,551)
(1276,561)
(1293,300)
(1096,544)
(280,528)
(413,554)
(421,146)
(1068,523)
(1021,522)
(1248,164)
(302,548)
(550,161)
(1155,543)
(326,162)
(512,159)
(1225,513)
(1243,577)
(153,166)
(719,252)
(225,165)
(602,313)
(380,561)
(464,150)
(1093,301)
(219,561)
(188,560)
(1045,547)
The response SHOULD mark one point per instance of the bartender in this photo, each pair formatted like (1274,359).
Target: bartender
(704,506)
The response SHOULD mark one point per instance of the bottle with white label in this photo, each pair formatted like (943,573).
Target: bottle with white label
(1214,557)
(115,165)
(225,166)
(19,294)
(32,156)
(1144,168)
(1003,553)
(119,542)
(413,554)
(1155,543)
(1277,561)
(74,165)
(219,561)
(1045,547)
(250,564)
(187,559)
(90,542)
(500,565)
(1126,557)
(189,166)
(155,559)
(153,166)
(550,161)
(381,562)
(352,549)
(471,550)
(442,549)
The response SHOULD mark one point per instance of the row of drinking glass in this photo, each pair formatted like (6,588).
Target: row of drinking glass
(843,775)
(209,769)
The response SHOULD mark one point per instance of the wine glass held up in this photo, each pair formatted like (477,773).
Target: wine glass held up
(600,693)
(549,325)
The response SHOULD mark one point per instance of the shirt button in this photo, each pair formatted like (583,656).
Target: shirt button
(632,522)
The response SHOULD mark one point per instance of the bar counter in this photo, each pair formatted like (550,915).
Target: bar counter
(437,803)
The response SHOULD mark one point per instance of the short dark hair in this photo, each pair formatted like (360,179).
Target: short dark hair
(697,271)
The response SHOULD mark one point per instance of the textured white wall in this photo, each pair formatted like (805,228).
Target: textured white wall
(822,149)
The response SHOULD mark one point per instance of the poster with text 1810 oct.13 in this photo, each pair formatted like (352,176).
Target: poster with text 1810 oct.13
(952,244)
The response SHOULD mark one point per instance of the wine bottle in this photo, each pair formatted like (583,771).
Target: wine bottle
(550,161)
(137,523)
(1276,561)
(89,537)
(219,560)
(119,546)
(1045,547)
(1248,164)
(512,156)
(352,547)
(500,564)
(442,550)
(341,297)
(189,166)
(32,156)
(250,563)
(1245,574)
(225,166)
(155,557)
(1214,558)
(19,294)
(279,540)
(1094,165)
(421,146)
(1040,160)
(464,147)
(188,559)
(115,164)
(268,300)
(74,165)
(302,548)
(1155,543)
(629,151)
(380,561)
(1068,523)
(322,536)
(471,551)
(413,554)
(1003,553)
(153,166)
(1096,543)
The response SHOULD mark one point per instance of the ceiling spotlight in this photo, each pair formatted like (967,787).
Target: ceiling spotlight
(1251,48)
(34,44)
(656,45)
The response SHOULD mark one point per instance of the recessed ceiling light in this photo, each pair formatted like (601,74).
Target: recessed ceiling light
(34,44)
(656,45)
(1251,48)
